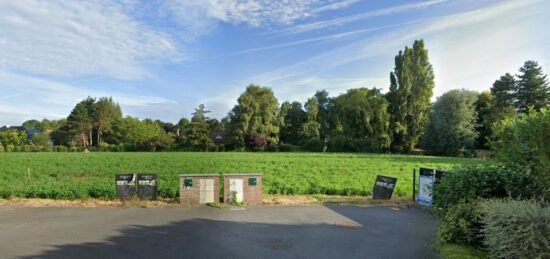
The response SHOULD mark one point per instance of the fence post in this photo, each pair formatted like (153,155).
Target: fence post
(414,184)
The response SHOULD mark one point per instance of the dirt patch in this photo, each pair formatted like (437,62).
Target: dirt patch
(267,200)
(328,199)
(289,200)
(87,203)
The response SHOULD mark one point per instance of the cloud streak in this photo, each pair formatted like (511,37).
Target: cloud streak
(336,22)
(387,44)
(70,38)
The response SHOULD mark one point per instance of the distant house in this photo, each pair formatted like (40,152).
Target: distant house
(218,137)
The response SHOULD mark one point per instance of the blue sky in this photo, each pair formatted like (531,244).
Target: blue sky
(160,59)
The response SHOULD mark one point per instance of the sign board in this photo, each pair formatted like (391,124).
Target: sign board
(383,187)
(188,183)
(252,181)
(426,183)
(147,186)
(125,186)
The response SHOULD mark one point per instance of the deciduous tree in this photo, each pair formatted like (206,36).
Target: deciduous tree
(256,112)
(411,88)
(452,121)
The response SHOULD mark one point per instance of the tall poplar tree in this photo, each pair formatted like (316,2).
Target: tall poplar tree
(412,83)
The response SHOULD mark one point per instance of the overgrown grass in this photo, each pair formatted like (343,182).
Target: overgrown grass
(454,251)
(91,175)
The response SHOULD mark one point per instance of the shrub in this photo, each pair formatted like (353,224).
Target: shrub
(313,145)
(289,148)
(1,148)
(517,229)
(474,182)
(523,143)
(256,142)
(103,146)
(462,224)
(10,148)
(60,149)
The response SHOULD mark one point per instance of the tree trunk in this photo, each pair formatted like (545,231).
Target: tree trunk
(84,141)
(91,140)
(98,135)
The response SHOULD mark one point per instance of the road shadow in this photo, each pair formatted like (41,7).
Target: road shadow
(385,233)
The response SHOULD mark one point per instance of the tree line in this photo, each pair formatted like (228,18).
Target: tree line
(360,120)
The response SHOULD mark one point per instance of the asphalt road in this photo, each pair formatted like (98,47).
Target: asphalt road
(202,232)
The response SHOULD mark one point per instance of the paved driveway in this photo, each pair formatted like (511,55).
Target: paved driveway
(257,232)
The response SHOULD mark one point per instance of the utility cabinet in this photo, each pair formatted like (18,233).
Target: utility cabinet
(247,188)
(196,189)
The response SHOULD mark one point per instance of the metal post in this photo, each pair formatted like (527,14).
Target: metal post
(414,184)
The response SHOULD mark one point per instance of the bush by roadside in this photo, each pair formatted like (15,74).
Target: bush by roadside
(522,143)
(516,229)
(478,182)
(461,224)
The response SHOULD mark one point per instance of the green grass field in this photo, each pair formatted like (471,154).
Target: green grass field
(91,175)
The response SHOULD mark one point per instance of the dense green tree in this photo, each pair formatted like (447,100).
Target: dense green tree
(532,88)
(256,112)
(324,104)
(81,121)
(361,116)
(293,119)
(311,128)
(32,124)
(169,127)
(13,138)
(59,132)
(215,125)
(50,125)
(183,123)
(105,113)
(503,91)
(41,139)
(412,83)
(141,135)
(451,126)
(197,134)
(484,108)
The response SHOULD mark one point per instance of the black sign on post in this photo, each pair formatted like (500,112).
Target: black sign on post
(125,186)
(147,186)
(383,187)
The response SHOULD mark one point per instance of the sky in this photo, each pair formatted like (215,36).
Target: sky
(162,58)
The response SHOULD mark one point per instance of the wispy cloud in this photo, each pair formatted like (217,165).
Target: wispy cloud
(203,14)
(387,44)
(360,16)
(329,37)
(70,38)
